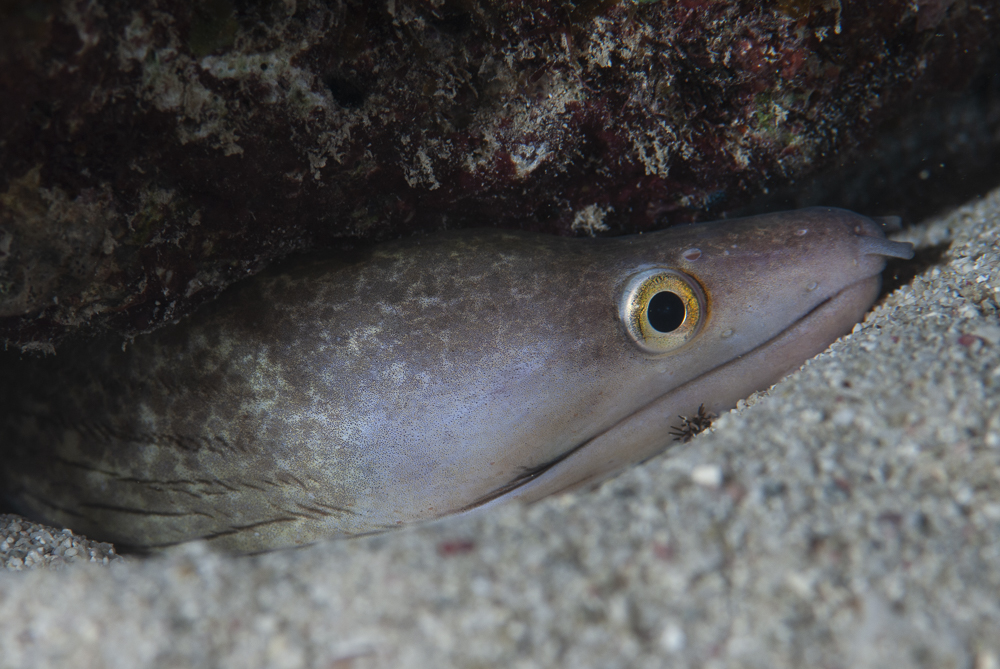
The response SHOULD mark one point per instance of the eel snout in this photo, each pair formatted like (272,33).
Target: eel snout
(858,257)
(872,240)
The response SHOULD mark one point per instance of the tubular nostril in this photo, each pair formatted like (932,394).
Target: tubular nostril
(880,246)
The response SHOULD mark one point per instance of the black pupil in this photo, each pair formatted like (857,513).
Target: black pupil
(665,311)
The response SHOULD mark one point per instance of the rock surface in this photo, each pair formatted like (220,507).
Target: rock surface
(151,153)
(848,518)
(929,162)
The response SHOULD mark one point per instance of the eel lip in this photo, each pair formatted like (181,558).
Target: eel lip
(805,335)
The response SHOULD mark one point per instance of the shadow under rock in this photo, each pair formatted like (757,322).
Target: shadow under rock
(899,272)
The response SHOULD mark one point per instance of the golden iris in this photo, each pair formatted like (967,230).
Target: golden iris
(662,309)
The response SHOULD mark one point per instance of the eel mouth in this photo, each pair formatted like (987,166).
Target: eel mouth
(848,299)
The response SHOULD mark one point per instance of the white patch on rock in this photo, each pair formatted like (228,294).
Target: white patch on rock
(528,157)
(590,219)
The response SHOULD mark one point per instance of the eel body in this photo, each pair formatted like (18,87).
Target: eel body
(424,377)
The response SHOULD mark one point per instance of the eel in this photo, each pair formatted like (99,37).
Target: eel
(339,396)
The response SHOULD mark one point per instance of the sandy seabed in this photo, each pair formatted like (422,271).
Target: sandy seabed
(849,517)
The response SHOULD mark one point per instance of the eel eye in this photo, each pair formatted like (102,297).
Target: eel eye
(662,309)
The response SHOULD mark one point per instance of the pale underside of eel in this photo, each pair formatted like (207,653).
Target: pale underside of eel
(423,377)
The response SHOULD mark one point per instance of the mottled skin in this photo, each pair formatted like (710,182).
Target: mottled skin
(425,377)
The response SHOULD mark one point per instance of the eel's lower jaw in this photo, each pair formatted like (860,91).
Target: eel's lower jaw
(644,433)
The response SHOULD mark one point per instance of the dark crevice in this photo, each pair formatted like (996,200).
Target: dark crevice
(899,272)
(347,93)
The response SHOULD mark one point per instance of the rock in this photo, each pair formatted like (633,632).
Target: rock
(155,152)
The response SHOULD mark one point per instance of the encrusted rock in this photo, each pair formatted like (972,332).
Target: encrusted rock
(151,153)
